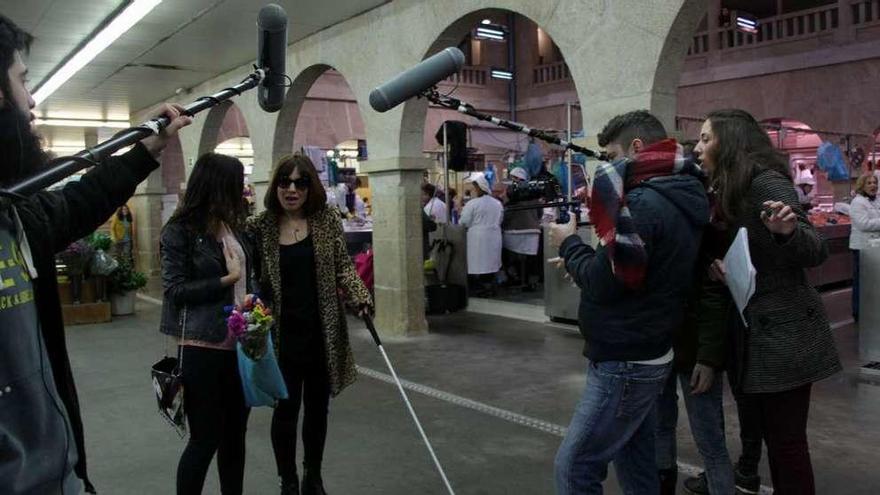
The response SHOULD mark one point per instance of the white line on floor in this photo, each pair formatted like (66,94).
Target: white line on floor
(151,300)
(510,416)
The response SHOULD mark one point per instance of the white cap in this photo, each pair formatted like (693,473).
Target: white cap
(519,173)
(805,180)
(481,181)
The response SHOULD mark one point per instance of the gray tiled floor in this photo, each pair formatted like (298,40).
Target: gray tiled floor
(525,368)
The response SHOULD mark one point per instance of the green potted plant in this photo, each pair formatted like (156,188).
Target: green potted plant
(122,285)
(102,263)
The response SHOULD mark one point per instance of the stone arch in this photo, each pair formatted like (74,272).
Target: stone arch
(295,102)
(222,122)
(415,110)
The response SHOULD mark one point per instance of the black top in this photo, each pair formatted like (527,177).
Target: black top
(300,323)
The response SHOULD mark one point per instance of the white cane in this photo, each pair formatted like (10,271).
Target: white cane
(412,412)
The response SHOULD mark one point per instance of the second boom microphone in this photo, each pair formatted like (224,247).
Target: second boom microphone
(416,79)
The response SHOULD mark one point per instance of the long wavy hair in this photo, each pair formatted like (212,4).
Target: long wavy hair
(214,195)
(743,150)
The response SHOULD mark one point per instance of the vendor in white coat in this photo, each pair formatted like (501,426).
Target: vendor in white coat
(482,217)
(864,212)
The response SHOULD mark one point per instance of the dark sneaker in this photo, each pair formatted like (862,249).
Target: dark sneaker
(697,485)
(747,484)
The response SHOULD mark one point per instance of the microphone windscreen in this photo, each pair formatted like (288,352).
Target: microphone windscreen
(272,56)
(416,79)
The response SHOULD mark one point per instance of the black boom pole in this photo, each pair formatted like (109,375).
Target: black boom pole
(64,167)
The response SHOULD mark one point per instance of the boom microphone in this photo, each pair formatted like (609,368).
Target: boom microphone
(271,55)
(416,79)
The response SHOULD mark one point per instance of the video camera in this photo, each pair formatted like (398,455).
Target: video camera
(546,188)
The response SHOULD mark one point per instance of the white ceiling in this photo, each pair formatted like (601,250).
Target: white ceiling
(204,38)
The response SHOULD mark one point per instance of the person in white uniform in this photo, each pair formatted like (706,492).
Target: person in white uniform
(482,217)
(435,208)
(521,231)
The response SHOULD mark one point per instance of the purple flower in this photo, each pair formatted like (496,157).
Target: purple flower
(236,324)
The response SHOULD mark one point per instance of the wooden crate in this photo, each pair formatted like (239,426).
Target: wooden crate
(82,314)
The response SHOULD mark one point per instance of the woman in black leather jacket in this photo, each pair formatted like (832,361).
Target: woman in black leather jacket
(205,267)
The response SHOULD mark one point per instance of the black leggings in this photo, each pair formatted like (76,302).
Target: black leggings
(217,418)
(307,384)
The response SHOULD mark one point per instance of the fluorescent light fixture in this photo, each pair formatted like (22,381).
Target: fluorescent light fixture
(490,31)
(501,74)
(116,124)
(747,23)
(116,28)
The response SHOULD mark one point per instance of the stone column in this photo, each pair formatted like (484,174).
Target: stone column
(146,206)
(397,244)
(846,30)
(712,15)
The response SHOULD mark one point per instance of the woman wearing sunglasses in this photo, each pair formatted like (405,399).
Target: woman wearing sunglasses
(302,264)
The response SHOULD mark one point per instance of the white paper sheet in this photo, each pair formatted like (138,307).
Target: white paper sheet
(741,273)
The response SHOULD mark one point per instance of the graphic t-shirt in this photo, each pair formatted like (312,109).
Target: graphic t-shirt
(37,447)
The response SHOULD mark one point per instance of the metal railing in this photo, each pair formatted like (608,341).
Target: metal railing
(865,12)
(470,75)
(549,73)
(802,24)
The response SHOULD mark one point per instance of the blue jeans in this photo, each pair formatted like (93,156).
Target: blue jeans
(614,421)
(706,416)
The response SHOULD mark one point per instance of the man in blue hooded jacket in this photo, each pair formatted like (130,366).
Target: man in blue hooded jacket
(649,208)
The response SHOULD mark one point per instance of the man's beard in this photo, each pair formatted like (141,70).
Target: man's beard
(21,153)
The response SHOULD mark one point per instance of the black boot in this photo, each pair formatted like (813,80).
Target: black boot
(290,486)
(668,481)
(312,483)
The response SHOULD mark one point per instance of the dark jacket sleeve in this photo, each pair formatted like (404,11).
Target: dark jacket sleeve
(805,248)
(590,270)
(175,250)
(82,206)
(713,310)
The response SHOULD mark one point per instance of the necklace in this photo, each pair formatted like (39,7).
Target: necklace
(300,228)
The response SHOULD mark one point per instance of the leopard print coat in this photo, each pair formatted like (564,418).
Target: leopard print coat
(334,272)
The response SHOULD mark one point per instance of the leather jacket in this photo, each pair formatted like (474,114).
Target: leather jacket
(192,265)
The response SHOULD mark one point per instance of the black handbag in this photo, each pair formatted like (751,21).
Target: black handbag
(167,376)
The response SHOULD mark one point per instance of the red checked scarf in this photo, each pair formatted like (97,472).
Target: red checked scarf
(611,216)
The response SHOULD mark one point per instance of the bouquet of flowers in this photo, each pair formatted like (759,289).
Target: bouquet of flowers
(249,324)
(76,257)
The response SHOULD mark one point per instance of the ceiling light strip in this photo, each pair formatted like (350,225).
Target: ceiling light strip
(121,23)
(116,124)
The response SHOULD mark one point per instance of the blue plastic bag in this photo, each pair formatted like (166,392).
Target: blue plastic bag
(261,380)
(830,159)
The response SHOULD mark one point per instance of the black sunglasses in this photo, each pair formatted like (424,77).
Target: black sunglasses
(302,183)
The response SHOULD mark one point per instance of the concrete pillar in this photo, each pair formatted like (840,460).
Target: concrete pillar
(714,11)
(90,136)
(846,29)
(397,244)
(146,206)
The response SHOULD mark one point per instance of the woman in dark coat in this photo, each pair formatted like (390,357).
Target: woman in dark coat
(205,267)
(788,344)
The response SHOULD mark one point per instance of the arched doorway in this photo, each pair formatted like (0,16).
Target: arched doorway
(515,71)
(322,119)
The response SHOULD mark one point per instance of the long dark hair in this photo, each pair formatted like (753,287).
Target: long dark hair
(743,150)
(213,195)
